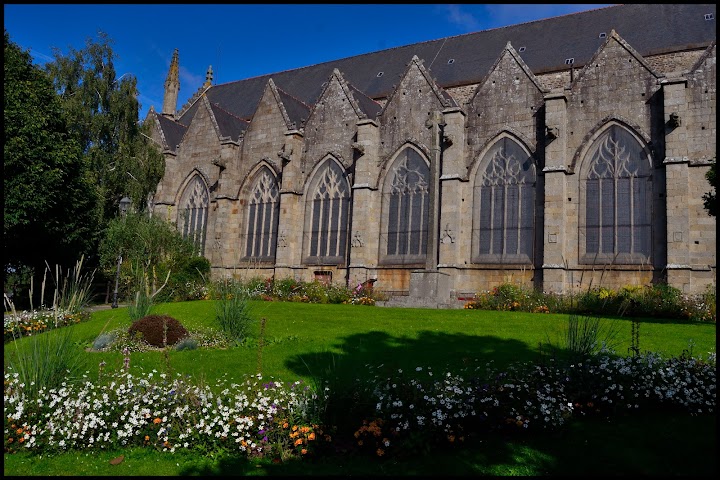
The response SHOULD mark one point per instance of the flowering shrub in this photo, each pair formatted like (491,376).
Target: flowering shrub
(409,413)
(163,413)
(657,300)
(37,321)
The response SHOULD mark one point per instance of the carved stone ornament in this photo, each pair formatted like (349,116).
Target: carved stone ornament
(357,240)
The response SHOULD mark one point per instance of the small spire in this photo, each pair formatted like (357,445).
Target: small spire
(172,86)
(209,76)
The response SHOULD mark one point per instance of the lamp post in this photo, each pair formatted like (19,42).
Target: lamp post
(124,205)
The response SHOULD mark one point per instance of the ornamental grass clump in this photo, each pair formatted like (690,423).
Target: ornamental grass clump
(232,311)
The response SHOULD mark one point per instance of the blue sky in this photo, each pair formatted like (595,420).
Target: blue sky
(243,41)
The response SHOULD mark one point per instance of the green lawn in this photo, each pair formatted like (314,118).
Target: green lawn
(306,341)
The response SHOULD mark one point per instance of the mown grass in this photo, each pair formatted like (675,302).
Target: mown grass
(304,340)
(307,341)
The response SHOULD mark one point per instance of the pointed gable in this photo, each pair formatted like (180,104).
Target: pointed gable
(409,106)
(509,98)
(614,59)
(265,135)
(509,94)
(332,122)
(416,73)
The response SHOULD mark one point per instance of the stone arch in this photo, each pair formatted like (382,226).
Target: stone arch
(193,200)
(260,202)
(327,213)
(504,178)
(405,208)
(615,192)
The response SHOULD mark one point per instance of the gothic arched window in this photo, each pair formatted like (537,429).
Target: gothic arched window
(262,217)
(193,212)
(327,213)
(504,208)
(406,204)
(616,190)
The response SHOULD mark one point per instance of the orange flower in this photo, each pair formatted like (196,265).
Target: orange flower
(298,441)
(380,452)
(19,431)
(10,440)
(147,438)
(305,429)
(303,451)
(21,439)
(294,428)
(311,436)
(451,438)
(157,420)
(285,425)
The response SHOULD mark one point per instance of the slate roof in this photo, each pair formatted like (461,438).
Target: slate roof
(649,28)
(230,126)
(173,131)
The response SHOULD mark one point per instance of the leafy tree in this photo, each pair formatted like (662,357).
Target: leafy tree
(50,205)
(709,200)
(150,248)
(102,110)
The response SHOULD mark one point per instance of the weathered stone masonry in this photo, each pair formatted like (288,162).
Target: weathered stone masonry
(561,177)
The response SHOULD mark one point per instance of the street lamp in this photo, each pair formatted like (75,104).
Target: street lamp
(124,206)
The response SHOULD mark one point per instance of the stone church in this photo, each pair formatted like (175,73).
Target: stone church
(561,154)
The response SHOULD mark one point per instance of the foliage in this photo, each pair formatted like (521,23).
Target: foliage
(49,198)
(410,414)
(150,248)
(232,311)
(656,300)
(709,198)
(102,111)
(43,361)
(587,335)
(73,292)
(158,330)
(188,282)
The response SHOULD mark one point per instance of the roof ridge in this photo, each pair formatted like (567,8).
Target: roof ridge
(420,43)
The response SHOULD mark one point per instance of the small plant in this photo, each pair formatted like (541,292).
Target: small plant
(587,335)
(104,340)
(232,311)
(187,343)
